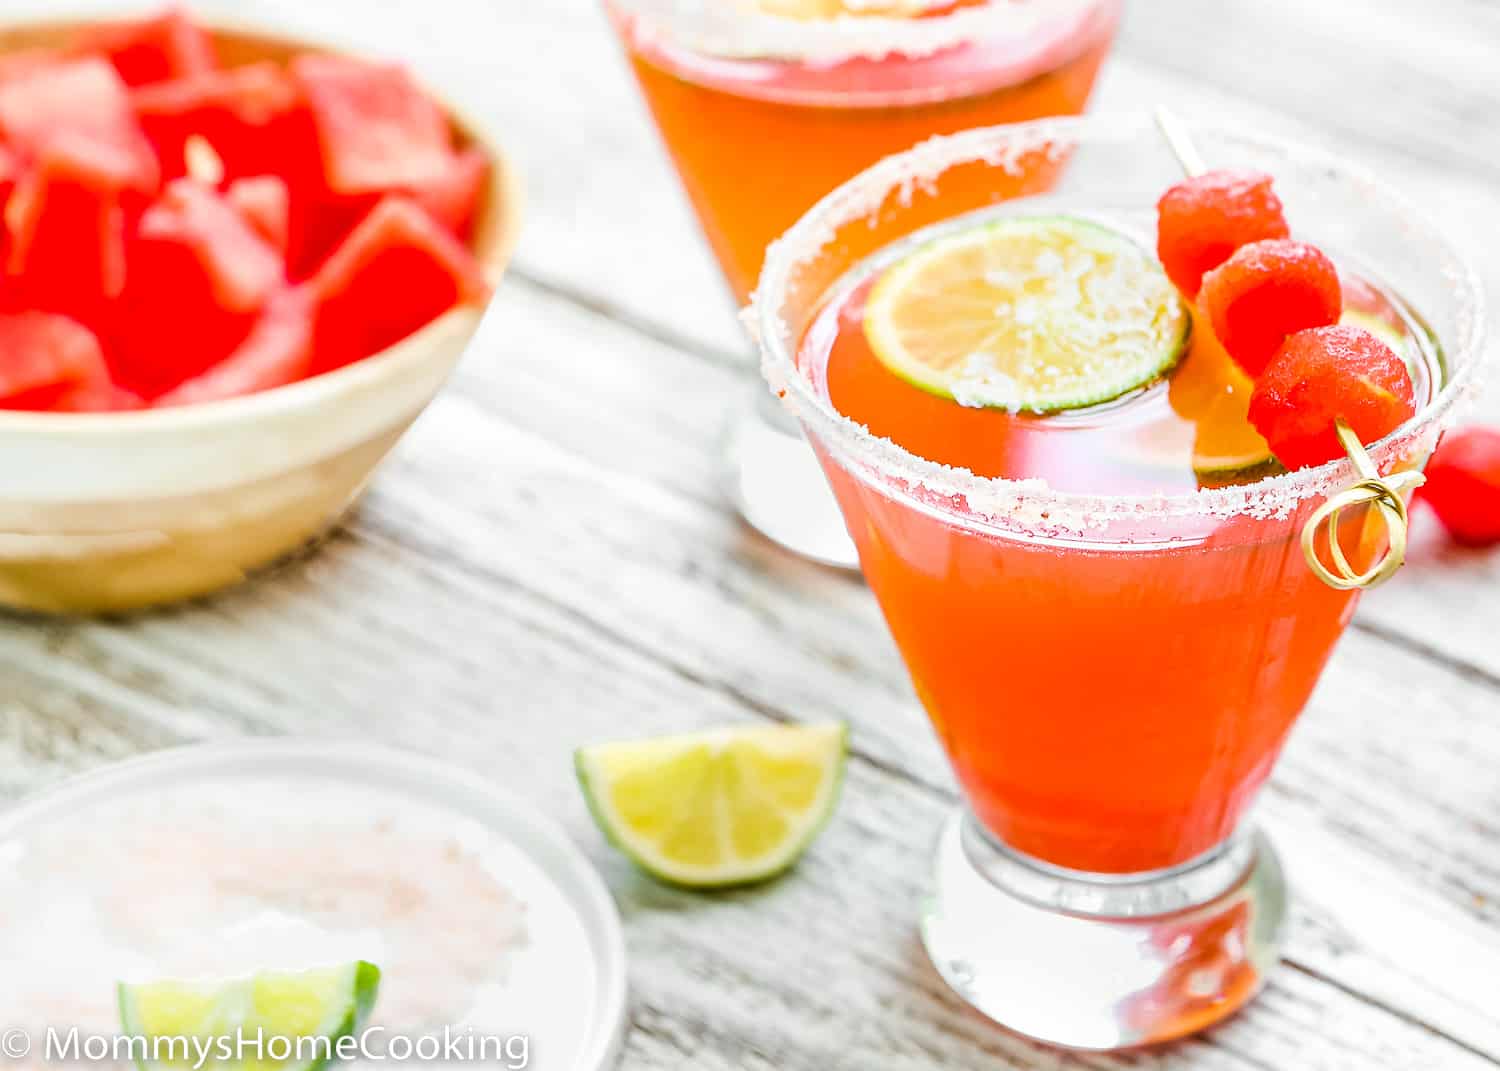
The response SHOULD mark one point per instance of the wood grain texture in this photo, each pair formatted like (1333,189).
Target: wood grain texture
(547,559)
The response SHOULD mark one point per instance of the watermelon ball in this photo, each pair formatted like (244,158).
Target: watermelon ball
(1267,291)
(1203,220)
(1463,485)
(1325,374)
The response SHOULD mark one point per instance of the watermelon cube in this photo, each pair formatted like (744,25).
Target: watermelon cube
(168,46)
(397,271)
(454,199)
(377,130)
(44,357)
(265,203)
(26,60)
(84,101)
(248,115)
(65,230)
(10,171)
(197,279)
(97,396)
(277,351)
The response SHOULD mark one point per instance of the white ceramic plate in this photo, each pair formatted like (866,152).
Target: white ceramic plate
(225,859)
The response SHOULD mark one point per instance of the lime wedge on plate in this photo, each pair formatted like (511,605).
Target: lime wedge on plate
(319,1005)
(717,808)
(1029,314)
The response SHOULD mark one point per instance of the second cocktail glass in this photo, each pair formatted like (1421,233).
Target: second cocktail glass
(1112,659)
(764,114)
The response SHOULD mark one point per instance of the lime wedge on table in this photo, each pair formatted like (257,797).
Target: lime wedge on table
(1035,314)
(323,1003)
(724,807)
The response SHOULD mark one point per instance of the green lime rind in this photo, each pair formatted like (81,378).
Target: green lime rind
(1066,363)
(228,1009)
(593,778)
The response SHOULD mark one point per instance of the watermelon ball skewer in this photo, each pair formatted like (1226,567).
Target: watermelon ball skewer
(1275,304)
(1267,291)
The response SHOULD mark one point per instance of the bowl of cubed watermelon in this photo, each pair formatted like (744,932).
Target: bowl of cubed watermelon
(234,268)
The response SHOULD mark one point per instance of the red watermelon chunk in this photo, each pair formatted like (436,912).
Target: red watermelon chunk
(44,357)
(454,199)
(265,203)
(26,60)
(84,101)
(97,396)
(66,233)
(168,46)
(198,278)
(277,351)
(240,268)
(10,170)
(397,271)
(248,115)
(377,131)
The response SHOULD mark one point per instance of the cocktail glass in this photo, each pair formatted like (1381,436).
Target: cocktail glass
(764,115)
(1111,676)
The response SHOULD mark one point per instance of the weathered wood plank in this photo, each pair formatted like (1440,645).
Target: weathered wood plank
(1419,83)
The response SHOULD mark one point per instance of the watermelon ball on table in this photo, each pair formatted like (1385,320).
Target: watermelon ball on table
(221,483)
(1463,485)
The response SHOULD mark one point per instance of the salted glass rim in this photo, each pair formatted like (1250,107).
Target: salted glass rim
(725,29)
(1033,499)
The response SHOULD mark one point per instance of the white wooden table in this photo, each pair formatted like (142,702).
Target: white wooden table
(547,559)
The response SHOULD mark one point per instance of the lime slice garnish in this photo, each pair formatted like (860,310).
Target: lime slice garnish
(717,808)
(1209,390)
(311,1009)
(1035,314)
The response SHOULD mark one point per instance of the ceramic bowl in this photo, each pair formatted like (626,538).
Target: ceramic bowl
(119,511)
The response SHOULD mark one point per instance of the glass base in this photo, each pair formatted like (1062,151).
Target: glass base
(777,485)
(1101,962)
